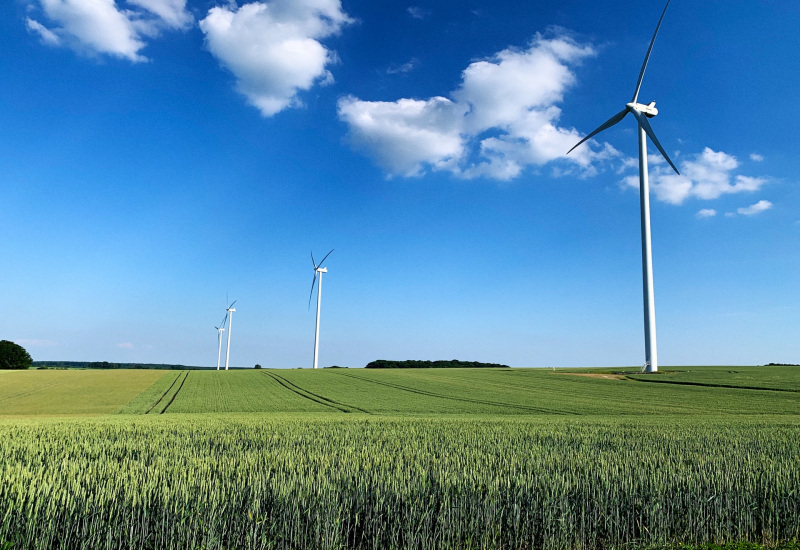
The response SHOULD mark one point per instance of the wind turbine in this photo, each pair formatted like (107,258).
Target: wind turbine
(230,309)
(220,330)
(641,113)
(318,270)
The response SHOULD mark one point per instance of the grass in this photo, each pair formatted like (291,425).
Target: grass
(358,481)
(766,378)
(440,459)
(238,391)
(145,402)
(504,392)
(71,392)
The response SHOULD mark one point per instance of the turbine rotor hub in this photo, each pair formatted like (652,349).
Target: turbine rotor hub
(648,110)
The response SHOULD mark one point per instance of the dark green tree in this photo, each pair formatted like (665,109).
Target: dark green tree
(14,356)
(257,366)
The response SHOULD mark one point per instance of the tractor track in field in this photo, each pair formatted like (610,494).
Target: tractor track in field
(174,395)
(311,396)
(163,395)
(453,398)
(710,385)
(31,391)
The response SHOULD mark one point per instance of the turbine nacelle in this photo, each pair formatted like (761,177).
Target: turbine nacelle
(318,269)
(648,110)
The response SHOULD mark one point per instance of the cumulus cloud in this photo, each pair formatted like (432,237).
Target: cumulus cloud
(707,175)
(102,27)
(406,135)
(754,209)
(706,213)
(502,118)
(755,157)
(273,48)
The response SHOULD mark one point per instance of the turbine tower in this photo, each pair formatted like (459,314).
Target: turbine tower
(220,330)
(318,270)
(641,113)
(230,309)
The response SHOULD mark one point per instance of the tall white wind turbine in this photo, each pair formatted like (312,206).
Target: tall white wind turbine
(318,270)
(220,330)
(641,113)
(230,309)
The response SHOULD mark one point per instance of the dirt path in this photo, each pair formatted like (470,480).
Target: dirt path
(593,375)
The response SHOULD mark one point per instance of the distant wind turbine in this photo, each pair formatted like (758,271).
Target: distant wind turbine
(641,113)
(230,309)
(318,270)
(220,330)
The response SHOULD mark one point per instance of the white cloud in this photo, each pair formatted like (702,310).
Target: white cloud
(405,135)
(706,213)
(755,157)
(273,48)
(48,37)
(172,13)
(417,12)
(125,345)
(404,68)
(501,119)
(707,175)
(754,209)
(101,27)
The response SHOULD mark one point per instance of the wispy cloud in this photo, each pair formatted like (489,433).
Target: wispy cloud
(502,118)
(100,27)
(171,13)
(753,209)
(706,213)
(404,68)
(417,12)
(273,48)
(755,157)
(125,345)
(48,37)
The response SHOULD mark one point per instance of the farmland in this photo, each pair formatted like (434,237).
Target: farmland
(505,392)
(345,458)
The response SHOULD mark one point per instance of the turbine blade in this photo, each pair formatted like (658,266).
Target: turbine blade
(647,57)
(607,124)
(233,302)
(326,257)
(310,294)
(645,124)
(312,261)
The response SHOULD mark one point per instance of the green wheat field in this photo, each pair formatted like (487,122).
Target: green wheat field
(382,459)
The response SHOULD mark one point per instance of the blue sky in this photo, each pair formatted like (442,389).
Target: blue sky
(158,155)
